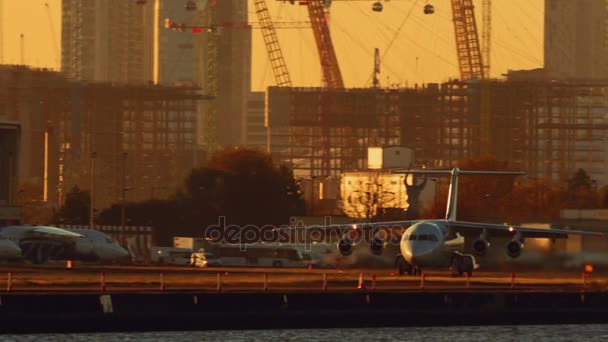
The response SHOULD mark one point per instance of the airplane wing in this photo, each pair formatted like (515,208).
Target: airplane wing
(355,225)
(45,231)
(467,228)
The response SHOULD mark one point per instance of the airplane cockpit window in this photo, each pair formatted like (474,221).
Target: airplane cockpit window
(108,240)
(427,237)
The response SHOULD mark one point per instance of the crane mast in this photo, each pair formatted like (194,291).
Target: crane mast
(211,80)
(486,36)
(468,48)
(53,35)
(275,54)
(332,77)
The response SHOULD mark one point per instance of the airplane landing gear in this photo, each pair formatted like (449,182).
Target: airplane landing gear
(462,263)
(403,267)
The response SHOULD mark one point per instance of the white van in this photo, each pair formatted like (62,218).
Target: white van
(170,256)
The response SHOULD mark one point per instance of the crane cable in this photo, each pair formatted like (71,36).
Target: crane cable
(390,44)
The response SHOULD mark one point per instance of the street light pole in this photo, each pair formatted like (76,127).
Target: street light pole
(92,194)
(124,190)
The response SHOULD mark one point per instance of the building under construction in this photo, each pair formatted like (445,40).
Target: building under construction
(549,129)
(121,141)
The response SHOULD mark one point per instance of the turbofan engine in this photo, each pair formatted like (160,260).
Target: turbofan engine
(345,246)
(378,242)
(514,248)
(349,240)
(480,246)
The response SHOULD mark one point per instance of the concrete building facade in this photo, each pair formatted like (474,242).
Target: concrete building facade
(256,132)
(126,42)
(107,40)
(576,39)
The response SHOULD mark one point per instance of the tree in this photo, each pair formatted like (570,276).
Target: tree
(247,188)
(530,201)
(581,192)
(76,207)
(244,186)
(372,196)
(478,196)
(160,214)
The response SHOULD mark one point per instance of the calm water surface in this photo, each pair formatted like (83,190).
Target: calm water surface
(536,333)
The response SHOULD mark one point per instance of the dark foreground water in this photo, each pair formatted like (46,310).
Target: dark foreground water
(536,333)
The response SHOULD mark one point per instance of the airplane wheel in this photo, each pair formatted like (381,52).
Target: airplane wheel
(456,267)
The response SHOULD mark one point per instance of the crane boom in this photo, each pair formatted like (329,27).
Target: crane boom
(53,35)
(467,40)
(275,54)
(486,36)
(332,77)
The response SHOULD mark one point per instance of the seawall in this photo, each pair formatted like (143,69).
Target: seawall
(32,313)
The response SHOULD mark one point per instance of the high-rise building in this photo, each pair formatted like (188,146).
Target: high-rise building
(124,41)
(234,72)
(107,40)
(576,39)
(178,53)
(183,58)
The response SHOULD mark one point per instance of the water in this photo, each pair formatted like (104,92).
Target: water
(536,333)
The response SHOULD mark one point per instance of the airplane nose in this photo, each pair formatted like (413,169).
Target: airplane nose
(407,251)
(121,253)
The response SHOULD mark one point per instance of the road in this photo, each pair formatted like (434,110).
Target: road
(88,278)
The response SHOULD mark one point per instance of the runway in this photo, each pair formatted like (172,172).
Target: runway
(132,279)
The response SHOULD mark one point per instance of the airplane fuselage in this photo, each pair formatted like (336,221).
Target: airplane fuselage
(428,244)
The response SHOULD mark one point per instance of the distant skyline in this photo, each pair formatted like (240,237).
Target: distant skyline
(423,49)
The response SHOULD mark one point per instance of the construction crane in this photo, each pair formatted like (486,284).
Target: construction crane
(486,36)
(53,35)
(468,48)
(275,54)
(211,80)
(332,77)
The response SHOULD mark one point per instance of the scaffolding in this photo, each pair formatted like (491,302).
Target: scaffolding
(549,129)
(147,131)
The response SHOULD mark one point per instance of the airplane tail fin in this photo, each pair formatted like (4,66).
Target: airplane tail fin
(450,211)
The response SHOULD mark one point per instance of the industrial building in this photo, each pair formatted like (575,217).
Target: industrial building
(549,129)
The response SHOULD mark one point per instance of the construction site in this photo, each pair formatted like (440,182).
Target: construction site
(549,127)
(121,142)
(137,136)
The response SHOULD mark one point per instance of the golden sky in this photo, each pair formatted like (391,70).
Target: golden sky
(422,49)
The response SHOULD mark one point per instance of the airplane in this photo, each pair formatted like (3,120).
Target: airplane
(438,243)
(9,250)
(39,244)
